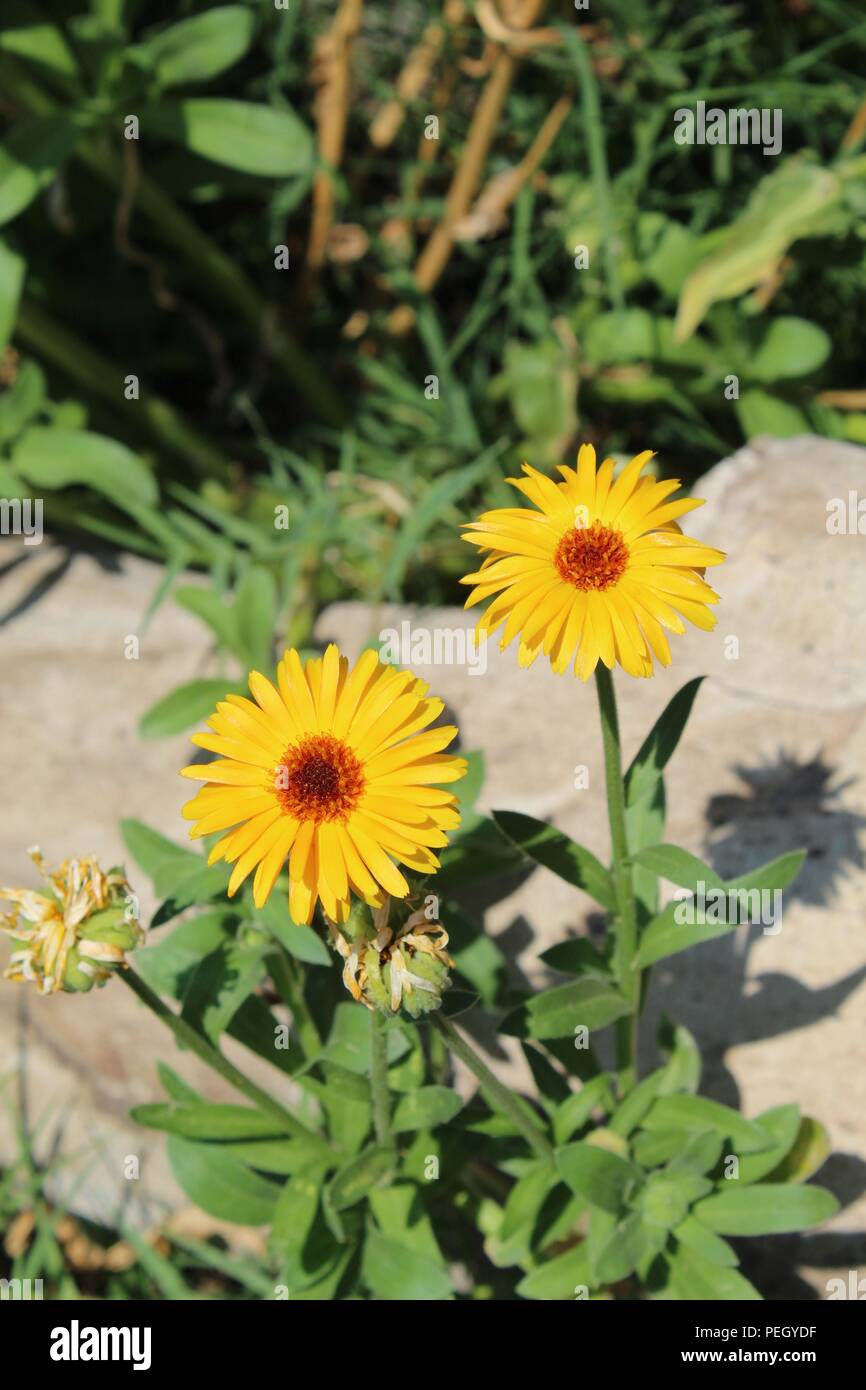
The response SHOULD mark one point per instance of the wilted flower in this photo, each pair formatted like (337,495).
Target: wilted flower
(597,572)
(76,931)
(391,968)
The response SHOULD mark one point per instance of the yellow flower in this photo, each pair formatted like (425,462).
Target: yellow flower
(333,770)
(596,573)
(76,932)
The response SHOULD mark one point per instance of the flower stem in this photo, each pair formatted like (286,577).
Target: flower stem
(379,1079)
(187,1036)
(495,1093)
(626,918)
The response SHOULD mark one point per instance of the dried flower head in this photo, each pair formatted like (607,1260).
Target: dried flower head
(393,967)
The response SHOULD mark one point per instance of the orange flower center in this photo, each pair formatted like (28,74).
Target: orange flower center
(591,557)
(319,779)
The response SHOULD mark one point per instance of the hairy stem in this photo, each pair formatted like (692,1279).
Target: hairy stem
(379,1079)
(497,1095)
(626,920)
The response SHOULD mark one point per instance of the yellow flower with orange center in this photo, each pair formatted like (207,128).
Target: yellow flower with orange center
(596,572)
(333,769)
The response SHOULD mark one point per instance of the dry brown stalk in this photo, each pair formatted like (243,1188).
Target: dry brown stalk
(487,217)
(415,74)
(332,75)
(436,253)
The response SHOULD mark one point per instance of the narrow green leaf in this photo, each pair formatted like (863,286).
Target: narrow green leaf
(557,852)
(603,1178)
(765,1209)
(558,1012)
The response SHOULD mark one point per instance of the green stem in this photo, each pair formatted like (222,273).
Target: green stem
(286,977)
(187,1036)
(497,1095)
(379,1079)
(626,919)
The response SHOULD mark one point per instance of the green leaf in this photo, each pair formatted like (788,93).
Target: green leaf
(220,617)
(810,1150)
(220,984)
(256,139)
(199,48)
(797,199)
(219,1184)
(425,1108)
(304,943)
(759,412)
(189,704)
(556,851)
(556,1013)
(55,458)
(672,931)
(256,616)
(706,1243)
(12,270)
(783,1123)
(21,401)
(394,1271)
(38,43)
(577,956)
(167,863)
(677,866)
(603,1178)
(566,1276)
(658,747)
(699,1279)
(366,1170)
(574,1112)
(29,159)
(295,1213)
(204,1120)
(791,347)
(765,1209)
(201,886)
(696,1113)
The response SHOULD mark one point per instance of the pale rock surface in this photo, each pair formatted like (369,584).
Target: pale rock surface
(771,760)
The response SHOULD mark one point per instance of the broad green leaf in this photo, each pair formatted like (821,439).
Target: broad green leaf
(256,616)
(628,1243)
(556,851)
(677,866)
(12,268)
(54,458)
(760,412)
(697,1237)
(810,1150)
(29,159)
(219,1184)
(304,943)
(797,199)
(199,48)
(698,1113)
(201,886)
(524,1201)
(294,1214)
(187,705)
(574,1112)
(220,617)
(425,1108)
(658,747)
(266,140)
(577,956)
(27,36)
(21,401)
(765,1209)
(790,347)
(603,1178)
(355,1179)
(204,1120)
(165,862)
(396,1272)
(556,1013)
(349,1040)
(783,1122)
(285,1157)
(566,1276)
(400,1215)
(699,1279)
(220,984)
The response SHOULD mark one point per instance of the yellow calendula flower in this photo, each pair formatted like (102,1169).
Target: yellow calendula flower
(76,932)
(334,768)
(596,573)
